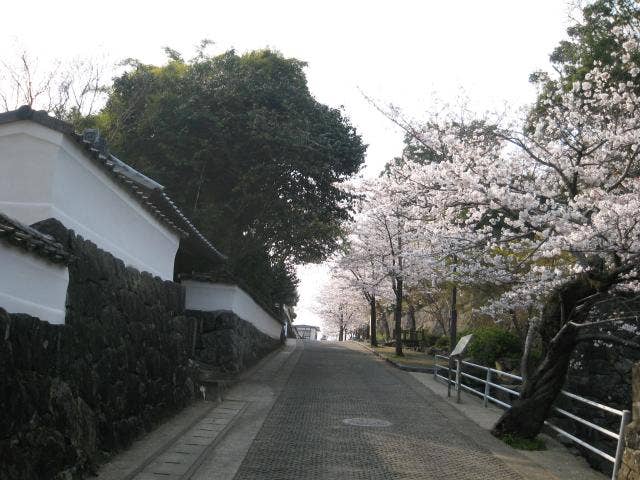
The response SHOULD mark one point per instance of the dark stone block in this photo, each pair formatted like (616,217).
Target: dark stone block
(71,394)
(94,384)
(602,373)
(227,343)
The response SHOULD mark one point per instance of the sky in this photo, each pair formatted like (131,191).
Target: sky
(406,53)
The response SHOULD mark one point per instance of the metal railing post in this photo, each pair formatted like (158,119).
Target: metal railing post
(458,379)
(486,398)
(449,381)
(435,367)
(487,389)
(626,418)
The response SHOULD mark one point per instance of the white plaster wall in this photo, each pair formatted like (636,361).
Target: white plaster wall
(209,297)
(30,284)
(44,174)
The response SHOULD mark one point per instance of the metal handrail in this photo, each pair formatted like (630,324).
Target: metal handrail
(486,396)
(592,403)
(582,442)
(499,372)
(609,433)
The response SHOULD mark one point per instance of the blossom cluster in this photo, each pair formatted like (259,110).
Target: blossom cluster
(525,205)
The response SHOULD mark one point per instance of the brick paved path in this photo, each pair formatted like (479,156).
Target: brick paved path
(305,437)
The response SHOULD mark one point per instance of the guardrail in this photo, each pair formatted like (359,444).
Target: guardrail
(490,380)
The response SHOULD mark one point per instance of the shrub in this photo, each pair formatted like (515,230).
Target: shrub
(442,343)
(429,339)
(493,343)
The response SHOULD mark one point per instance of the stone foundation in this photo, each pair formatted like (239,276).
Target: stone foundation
(227,343)
(630,468)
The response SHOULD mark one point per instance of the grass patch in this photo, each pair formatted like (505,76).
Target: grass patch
(519,443)
(410,358)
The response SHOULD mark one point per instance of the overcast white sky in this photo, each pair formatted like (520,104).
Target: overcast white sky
(403,52)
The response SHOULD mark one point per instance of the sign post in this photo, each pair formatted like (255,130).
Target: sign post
(457,354)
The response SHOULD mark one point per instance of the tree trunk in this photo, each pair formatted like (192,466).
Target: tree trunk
(398,317)
(384,324)
(525,361)
(341,332)
(528,413)
(453,324)
(372,324)
(453,330)
(441,320)
(516,327)
(412,324)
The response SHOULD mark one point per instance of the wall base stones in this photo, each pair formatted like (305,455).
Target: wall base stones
(71,395)
(228,344)
(630,468)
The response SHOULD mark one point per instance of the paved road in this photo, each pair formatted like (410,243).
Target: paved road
(285,419)
(305,434)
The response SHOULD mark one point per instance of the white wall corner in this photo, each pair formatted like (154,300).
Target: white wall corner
(209,297)
(32,285)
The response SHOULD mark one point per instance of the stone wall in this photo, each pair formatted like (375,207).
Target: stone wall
(73,394)
(630,468)
(602,373)
(227,344)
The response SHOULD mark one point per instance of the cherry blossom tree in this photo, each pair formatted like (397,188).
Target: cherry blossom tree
(384,256)
(544,209)
(382,231)
(340,306)
(359,263)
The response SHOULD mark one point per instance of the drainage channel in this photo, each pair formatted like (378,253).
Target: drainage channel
(184,454)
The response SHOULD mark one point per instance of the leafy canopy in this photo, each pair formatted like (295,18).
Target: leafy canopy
(246,151)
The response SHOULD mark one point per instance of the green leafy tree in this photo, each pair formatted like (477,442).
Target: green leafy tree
(246,151)
(591,41)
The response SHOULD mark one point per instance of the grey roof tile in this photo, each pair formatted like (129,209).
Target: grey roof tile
(31,240)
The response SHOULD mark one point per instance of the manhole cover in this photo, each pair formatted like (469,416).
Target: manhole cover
(366,422)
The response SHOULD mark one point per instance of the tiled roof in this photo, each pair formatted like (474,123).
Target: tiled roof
(31,240)
(147,192)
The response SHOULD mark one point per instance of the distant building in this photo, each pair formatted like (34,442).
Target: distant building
(308,332)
